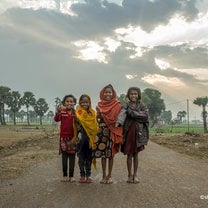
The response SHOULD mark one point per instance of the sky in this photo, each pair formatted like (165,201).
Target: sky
(58,47)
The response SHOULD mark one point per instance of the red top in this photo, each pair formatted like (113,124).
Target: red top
(66,118)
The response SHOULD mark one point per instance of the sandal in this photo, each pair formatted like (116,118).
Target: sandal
(109,181)
(89,180)
(82,180)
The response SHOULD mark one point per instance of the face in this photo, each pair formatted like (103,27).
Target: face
(69,103)
(133,96)
(108,94)
(85,103)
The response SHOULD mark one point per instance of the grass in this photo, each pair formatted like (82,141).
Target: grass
(175,129)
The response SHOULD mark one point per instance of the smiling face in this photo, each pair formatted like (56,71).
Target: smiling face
(133,96)
(69,103)
(85,103)
(108,93)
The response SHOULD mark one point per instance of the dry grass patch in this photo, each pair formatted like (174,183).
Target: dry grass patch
(194,145)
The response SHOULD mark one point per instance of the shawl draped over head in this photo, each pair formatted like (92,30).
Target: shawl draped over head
(109,110)
(87,119)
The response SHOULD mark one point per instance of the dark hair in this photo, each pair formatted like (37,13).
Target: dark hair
(85,96)
(109,86)
(67,96)
(136,89)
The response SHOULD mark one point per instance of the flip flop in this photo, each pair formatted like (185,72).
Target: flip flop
(82,180)
(89,180)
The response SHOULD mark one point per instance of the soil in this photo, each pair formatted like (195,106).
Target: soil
(169,177)
(21,147)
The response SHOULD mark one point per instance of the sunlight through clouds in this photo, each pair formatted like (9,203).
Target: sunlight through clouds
(163,65)
(200,74)
(175,32)
(130,76)
(156,79)
(91,51)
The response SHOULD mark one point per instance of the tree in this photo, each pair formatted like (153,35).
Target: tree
(4,95)
(122,98)
(166,116)
(153,101)
(181,115)
(41,107)
(20,115)
(14,103)
(57,102)
(32,116)
(50,116)
(203,101)
(28,100)
(9,115)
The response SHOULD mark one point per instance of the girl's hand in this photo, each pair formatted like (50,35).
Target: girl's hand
(59,108)
(117,125)
(73,141)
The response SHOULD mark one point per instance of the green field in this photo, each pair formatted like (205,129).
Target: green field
(192,128)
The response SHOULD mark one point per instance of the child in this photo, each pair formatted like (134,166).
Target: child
(109,137)
(68,133)
(87,133)
(134,118)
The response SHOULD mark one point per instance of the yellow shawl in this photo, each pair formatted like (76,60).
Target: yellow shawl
(87,119)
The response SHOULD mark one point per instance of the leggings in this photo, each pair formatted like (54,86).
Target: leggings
(65,158)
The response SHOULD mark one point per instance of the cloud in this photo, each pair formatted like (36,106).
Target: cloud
(128,43)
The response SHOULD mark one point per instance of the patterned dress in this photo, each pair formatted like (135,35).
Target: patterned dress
(103,142)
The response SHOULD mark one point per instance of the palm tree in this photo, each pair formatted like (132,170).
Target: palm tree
(14,103)
(203,101)
(28,100)
(181,115)
(41,107)
(4,95)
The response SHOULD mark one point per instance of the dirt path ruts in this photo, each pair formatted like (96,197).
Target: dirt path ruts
(168,180)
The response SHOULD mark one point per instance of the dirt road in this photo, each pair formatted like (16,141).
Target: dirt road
(167,180)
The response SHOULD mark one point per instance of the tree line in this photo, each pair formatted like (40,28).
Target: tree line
(151,97)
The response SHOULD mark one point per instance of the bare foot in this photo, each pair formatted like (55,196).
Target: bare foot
(103,181)
(72,180)
(130,179)
(64,179)
(136,180)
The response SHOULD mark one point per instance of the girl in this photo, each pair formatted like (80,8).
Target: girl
(87,133)
(134,118)
(68,133)
(109,137)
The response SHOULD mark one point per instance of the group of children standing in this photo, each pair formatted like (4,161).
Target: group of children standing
(101,133)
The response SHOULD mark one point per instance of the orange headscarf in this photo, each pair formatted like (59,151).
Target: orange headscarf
(109,110)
